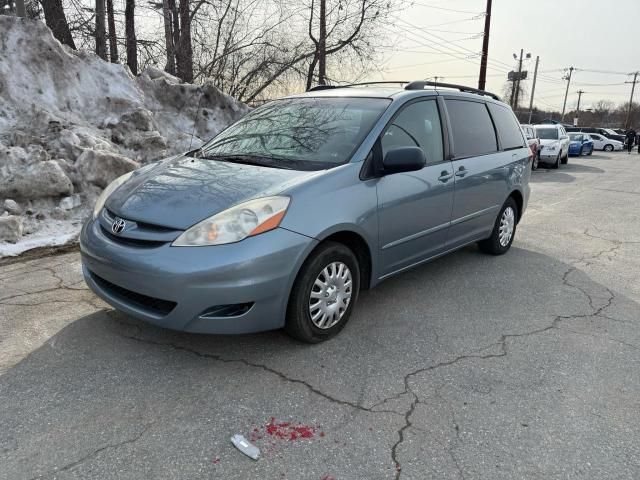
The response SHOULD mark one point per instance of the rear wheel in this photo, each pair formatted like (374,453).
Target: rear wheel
(323,294)
(608,148)
(504,230)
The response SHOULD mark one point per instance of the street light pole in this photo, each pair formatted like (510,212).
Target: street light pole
(533,88)
(580,92)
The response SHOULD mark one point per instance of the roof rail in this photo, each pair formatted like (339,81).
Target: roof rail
(420,84)
(327,87)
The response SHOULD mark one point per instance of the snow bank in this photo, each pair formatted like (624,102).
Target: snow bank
(69,122)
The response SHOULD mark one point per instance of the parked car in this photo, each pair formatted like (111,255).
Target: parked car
(580,144)
(281,219)
(534,144)
(600,142)
(606,132)
(554,144)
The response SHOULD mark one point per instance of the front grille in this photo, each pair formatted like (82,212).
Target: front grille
(154,305)
(132,242)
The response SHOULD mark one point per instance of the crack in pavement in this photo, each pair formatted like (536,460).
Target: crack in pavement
(94,453)
(266,368)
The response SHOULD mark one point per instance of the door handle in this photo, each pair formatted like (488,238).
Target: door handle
(461,172)
(445,176)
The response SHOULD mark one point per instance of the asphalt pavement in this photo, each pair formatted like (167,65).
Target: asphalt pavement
(525,366)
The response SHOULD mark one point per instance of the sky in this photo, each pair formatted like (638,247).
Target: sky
(429,38)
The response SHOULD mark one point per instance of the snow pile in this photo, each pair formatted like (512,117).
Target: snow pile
(70,123)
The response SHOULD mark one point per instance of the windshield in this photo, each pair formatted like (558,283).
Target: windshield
(575,137)
(299,133)
(548,133)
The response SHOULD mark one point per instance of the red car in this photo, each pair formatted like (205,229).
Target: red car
(534,144)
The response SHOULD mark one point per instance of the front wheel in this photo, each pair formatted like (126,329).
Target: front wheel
(590,152)
(556,165)
(504,230)
(323,294)
(536,161)
(565,159)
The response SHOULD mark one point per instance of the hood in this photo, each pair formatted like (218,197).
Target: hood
(181,191)
(546,141)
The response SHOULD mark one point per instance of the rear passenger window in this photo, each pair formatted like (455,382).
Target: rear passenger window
(417,125)
(507,126)
(473,132)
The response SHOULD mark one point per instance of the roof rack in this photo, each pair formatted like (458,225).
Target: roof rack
(327,87)
(414,85)
(420,84)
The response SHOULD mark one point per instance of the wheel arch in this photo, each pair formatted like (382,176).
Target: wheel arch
(360,248)
(519,199)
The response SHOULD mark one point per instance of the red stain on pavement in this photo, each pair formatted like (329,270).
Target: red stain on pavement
(216,461)
(286,431)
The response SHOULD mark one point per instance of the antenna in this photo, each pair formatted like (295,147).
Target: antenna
(195,120)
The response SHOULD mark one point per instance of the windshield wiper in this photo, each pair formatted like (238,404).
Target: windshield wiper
(248,160)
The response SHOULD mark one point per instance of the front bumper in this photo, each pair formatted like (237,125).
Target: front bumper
(547,155)
(173,287)
(575,150)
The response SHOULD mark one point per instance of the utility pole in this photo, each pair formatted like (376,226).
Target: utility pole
(482,81)
(580,92)
(516,84)
(533,88)
(633,88)
(566,93)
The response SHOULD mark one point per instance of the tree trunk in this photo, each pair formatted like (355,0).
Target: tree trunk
(175,19)
(170,66)
(21,10)
(57,21)
(184,52)
(130,34)
(322,44)
(113,41)
(312,67)
(101,36)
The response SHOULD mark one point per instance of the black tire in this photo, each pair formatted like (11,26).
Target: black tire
(581,151)
(608,148)
(556,164)
(564,160)
(492,244)
(590,152)
(298,322)
(536,161)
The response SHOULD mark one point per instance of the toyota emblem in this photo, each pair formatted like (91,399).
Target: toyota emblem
(118,226)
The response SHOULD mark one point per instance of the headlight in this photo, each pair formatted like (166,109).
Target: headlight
(237,223)
(108,191)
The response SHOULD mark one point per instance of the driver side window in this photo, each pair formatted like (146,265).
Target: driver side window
(417,125)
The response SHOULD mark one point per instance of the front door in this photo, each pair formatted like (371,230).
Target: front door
(414,208)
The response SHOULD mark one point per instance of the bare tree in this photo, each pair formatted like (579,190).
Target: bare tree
(113,39)
(130,35)
(56,20)
(343,26)
(101,37)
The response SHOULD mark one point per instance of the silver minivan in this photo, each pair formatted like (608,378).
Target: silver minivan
(282,218)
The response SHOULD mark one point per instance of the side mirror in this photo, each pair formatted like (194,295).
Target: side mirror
(403,159)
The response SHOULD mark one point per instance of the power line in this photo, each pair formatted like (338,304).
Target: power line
(444,8)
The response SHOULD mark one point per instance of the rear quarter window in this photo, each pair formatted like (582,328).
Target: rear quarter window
(472,129)
(508,127)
